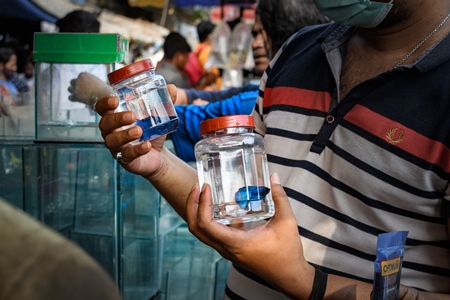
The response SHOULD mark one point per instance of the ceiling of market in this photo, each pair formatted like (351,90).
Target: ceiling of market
(132,28)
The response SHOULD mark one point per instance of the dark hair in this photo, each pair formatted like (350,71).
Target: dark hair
(204,29)
(6,53)
(79,21)
(282,18)
(174,43)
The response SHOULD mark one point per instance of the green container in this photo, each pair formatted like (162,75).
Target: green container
(80,47)
(61,58)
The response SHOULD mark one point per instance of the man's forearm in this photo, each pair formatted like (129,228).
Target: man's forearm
(174,181)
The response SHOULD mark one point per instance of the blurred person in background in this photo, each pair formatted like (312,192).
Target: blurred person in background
(28,73)
(79,21)
(171,67)
(10,85)
(195,67)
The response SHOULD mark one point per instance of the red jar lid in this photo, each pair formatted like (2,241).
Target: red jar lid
(226,122)
(130,70)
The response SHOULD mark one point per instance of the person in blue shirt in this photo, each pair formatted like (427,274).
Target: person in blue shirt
(190,117)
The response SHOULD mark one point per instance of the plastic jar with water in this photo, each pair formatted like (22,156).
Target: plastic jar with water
(145,93)
(231,158)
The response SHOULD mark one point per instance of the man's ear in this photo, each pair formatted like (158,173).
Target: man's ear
(177,59)
(180,59)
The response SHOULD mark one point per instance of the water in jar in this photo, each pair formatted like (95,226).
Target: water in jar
(238,174)
(151,103)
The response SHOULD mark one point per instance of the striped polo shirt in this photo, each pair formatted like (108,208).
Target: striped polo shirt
(376,161)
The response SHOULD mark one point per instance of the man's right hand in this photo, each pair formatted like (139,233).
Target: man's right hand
(144,158)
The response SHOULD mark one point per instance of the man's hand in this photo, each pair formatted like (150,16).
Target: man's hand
(120,137)
(272,250)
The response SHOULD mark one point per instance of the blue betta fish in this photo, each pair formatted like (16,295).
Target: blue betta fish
(250,193)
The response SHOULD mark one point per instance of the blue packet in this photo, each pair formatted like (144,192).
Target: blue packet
(388,265)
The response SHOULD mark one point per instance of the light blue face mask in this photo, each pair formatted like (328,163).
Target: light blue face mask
(361,13)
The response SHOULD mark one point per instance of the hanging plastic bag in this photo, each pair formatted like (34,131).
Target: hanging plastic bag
(241,39)
(220,45)
(250,60)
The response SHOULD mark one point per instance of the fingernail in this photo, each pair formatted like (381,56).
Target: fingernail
(111,101)
(275,178)
(145,146)
(134,131)
(128,117)
(194,186)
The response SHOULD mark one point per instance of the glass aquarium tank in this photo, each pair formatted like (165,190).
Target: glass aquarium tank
(118,218)
(19,124)
(60,59)
(82,193)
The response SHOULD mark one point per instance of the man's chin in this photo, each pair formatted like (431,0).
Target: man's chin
(259,70)
(261,65)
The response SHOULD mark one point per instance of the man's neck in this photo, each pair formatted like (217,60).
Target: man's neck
(374,51)
(409,26)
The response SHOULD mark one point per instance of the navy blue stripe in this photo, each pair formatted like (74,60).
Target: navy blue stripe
(354,193)
(356,224)
(290,134)
(232,295)
(369,257)
(253,276)
(426,269)
(383,176)
(261,93)
(445,209)
(335,245)
(342,274)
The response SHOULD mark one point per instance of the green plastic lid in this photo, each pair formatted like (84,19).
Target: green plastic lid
(80,47)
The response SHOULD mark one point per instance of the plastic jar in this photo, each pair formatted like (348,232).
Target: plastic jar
(140,90)
(232,159)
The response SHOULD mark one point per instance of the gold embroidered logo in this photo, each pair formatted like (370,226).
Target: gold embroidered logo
(391,136)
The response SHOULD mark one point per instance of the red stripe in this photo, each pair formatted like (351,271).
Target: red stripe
(297,98)
(400,136)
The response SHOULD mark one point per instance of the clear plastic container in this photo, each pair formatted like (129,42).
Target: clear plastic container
(232,159)
(60,59)
(140,90)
